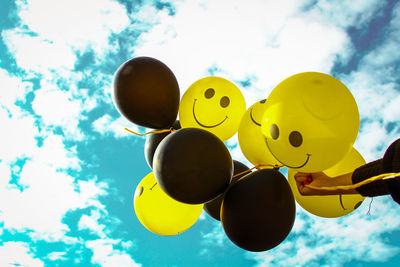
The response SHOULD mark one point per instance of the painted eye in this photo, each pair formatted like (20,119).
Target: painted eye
(209,93)
(263,101)
(274,131)
(139,192)
(224,101)
(295,139)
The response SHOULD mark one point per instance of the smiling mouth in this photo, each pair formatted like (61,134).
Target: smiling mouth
(304,164)
(202,125)
(251,116)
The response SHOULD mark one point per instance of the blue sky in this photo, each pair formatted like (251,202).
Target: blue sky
(68,170)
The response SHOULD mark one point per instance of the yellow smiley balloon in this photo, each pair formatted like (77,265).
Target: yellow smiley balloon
(161,214)
(331,206)
(251,140)
(311,121)
(213,104)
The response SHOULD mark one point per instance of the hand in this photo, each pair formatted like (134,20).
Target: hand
(316,179)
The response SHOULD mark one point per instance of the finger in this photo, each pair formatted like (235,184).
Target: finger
(302,177)
(301,187)
(304,191)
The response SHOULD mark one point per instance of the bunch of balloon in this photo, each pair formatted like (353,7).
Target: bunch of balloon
(311,121)
(146,92)
(331,206)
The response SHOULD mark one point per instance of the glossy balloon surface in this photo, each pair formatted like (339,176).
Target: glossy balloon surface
(251,140)
(213,104)
(258,210)
(146,92)
(152,142)
(311,121)
(192,166)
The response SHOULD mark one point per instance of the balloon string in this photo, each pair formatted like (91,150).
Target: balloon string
(246,171)
(369,209)
(261,166)
(384,176)
(152,132)
(258,167)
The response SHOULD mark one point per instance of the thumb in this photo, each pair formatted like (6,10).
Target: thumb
(302,177)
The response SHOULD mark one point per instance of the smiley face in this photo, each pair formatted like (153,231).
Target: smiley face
(311,121)
(160,213)
(213,104)
(331,206)
(251,140)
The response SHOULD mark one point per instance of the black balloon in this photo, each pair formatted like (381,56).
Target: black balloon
(258,210)
(152,142)
(391,163)
(192,166)
(146,92)
(213,207)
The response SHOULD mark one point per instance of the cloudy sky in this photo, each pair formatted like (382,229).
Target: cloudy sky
(68,170)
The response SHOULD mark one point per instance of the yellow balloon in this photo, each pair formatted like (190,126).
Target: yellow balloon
(311,121)
(331,206)
(213,104)
(251,140)
(160,213)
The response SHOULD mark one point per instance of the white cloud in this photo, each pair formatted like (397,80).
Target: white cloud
(75,24)
(357,236)
(42,205)
(106,255)
(17,254)
(17,135)
(59,108)
(48,193)
(216,236)
(92,223)
(345,14)
(34,53)
(376,91)
(61,157)
(264,44)
(12,89)
(56,256)
(106,251)
(373,140)
(391,110)
(41,193)
(45,46)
